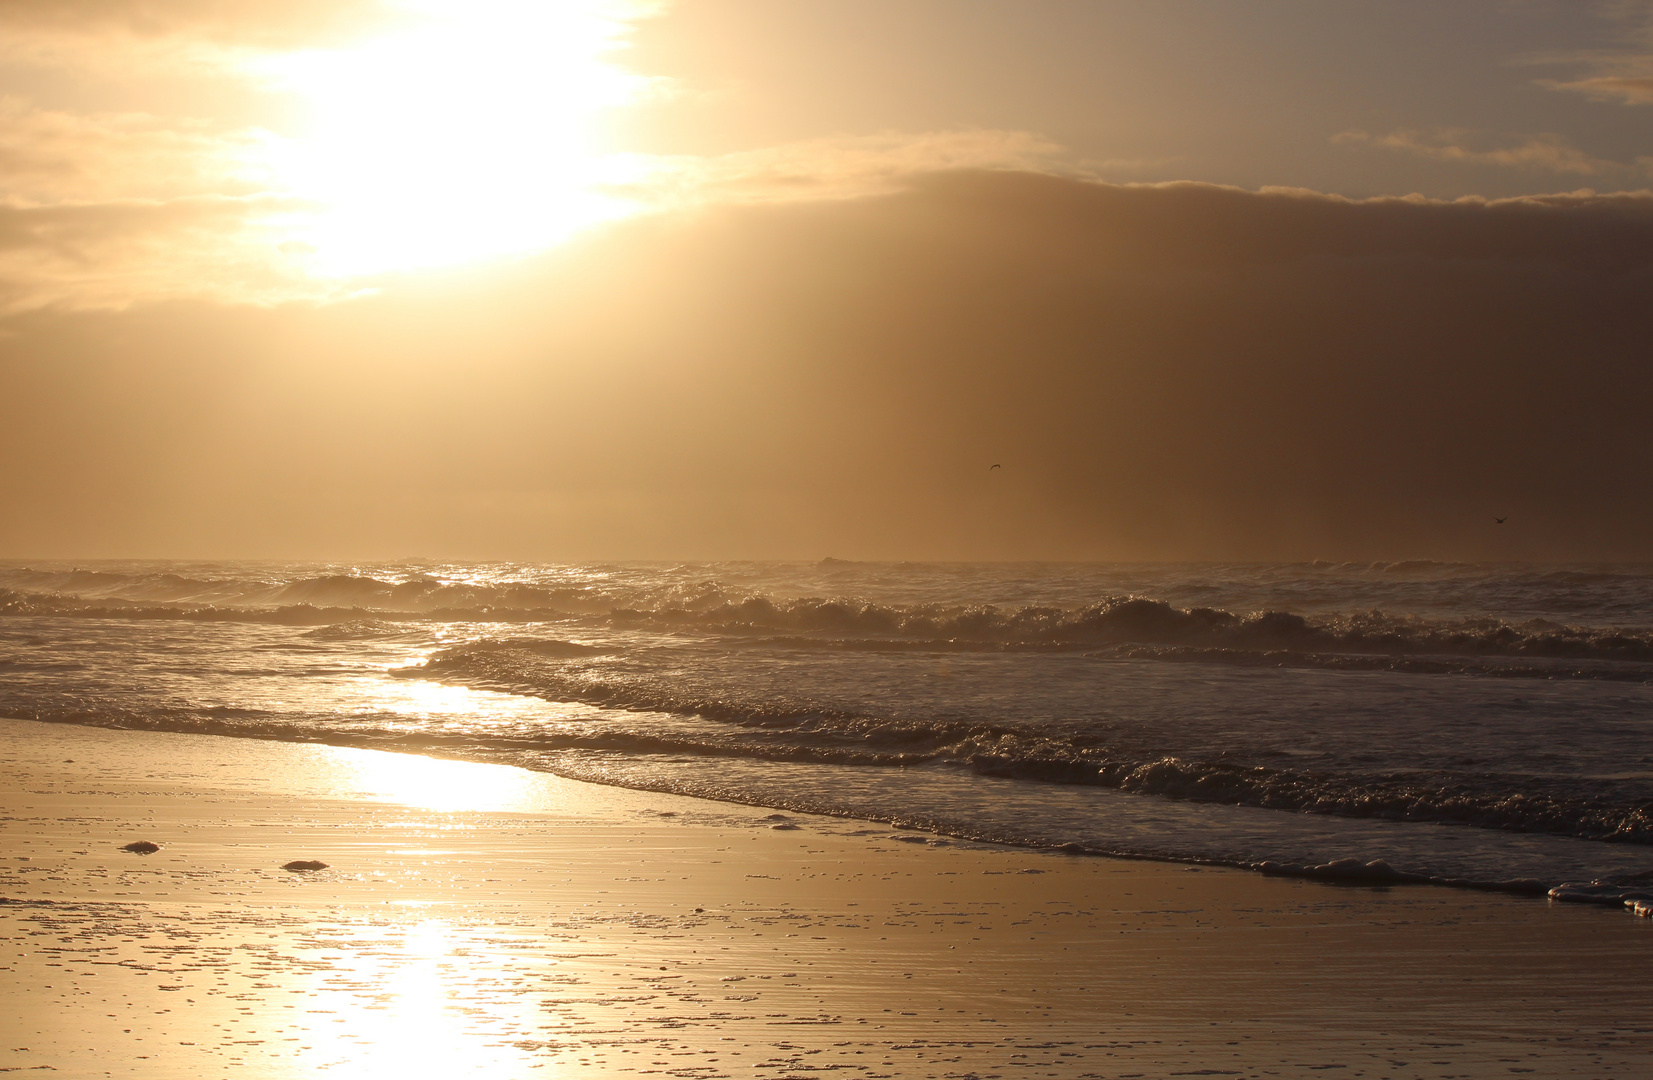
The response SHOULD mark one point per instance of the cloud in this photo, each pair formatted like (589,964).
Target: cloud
(104,208)
(157,36)
(175,194)
(255,23)
(841,167)
(116,253)
(1623,74)
(109,209)
(51,155)
(1545,153)
(1629,89)
(1164,371)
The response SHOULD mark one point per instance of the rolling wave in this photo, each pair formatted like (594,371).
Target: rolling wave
(754,682)
(1135,619)
(1196,634)
(759,727)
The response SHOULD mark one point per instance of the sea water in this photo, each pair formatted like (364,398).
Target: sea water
(1486,725)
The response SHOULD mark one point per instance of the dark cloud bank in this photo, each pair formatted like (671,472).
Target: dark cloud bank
(1175,371)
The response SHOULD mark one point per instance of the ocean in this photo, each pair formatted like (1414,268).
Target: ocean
(1481,725)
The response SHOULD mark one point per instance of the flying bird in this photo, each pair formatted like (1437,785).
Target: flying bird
(1499,521)
(990,468)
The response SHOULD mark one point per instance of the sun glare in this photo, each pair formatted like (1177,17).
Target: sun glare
(469,130)
(435,784)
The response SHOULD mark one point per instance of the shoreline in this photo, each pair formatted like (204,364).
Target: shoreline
(1630,888)
(535,922)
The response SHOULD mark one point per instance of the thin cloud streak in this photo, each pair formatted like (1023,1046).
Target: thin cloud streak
(56,156)
(837,168)
(110,255)
(247,23)
(1628,89)
(1623,75)
(1545,153)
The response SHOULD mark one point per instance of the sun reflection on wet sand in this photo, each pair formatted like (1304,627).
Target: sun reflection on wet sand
(413,1024)
(628,933)
(436,784)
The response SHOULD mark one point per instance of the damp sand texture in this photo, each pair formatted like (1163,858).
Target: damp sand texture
(480,920)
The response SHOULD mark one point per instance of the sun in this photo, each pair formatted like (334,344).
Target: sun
(469,129)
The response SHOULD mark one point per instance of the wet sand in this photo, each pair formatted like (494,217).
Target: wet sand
(479,920)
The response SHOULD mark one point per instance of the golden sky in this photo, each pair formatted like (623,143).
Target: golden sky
(618,278)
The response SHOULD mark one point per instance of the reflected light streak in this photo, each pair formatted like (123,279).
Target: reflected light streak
(417,1028)
(437,784)
(433,700)
(470,130)
(442,784)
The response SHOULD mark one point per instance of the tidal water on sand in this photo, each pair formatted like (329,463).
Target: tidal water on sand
(1480,724)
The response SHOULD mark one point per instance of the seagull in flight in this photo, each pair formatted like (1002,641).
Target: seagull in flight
(990,468)
(1499,521)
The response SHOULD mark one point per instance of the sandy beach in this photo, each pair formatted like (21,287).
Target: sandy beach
(483,920)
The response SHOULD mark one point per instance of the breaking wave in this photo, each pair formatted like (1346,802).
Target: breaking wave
(779,729)
(1133,626)
(1358,697)
(1139,620)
